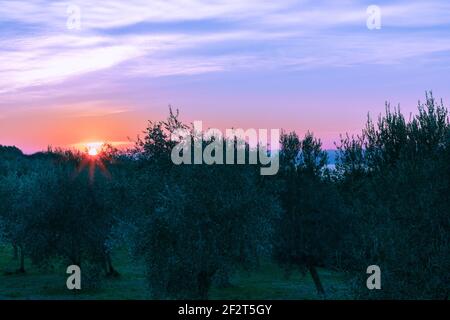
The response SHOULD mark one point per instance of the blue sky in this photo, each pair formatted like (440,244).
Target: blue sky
(264,64)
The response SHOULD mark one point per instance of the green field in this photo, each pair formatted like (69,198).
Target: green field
(269,282)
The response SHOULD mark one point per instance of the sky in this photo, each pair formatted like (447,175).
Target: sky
(81,71)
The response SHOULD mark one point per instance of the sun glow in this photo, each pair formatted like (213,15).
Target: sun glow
(94,148)
(95,159)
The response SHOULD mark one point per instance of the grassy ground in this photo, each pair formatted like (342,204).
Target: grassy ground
(269,282)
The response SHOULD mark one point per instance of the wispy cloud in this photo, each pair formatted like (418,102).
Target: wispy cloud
(302,34)
(90,108)
(23,67)
(116,13)
(33,61)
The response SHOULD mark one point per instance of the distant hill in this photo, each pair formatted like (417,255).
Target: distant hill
(10,152)
(332,154)
(44,156)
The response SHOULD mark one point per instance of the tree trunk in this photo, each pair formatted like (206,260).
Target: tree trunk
(15,252)
(22,261)
(223,279)
(315,276)
(75,256)
(109,267)
(204,280)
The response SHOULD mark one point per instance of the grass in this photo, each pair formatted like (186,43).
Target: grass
(268,282)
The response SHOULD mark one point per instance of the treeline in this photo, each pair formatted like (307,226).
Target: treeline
(386,203)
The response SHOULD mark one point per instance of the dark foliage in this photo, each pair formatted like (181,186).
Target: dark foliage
(386,203)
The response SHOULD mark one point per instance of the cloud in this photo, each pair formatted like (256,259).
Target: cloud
(116,13)
(332,14)
(34,61)
(90,108)
(45,67)
(274,34)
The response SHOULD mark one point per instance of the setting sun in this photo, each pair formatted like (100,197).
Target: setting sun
(94,148)
(93,152)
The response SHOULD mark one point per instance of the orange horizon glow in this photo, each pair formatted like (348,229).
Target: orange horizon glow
(59,129)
